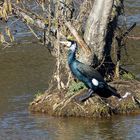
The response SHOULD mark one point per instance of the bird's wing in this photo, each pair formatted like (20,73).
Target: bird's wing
(89,72)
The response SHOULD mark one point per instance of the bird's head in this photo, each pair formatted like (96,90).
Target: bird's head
(71,44)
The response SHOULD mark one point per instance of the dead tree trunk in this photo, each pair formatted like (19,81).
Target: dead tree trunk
(96,29)
(99,32)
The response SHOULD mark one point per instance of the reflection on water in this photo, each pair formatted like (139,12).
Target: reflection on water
(26,69)
(24,126)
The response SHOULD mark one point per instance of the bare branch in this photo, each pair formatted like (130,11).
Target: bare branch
(134,37)
(79,39)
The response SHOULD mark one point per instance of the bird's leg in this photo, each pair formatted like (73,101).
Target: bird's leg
(86,96)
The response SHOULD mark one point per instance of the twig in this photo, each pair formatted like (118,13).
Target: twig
(129,29)
(80,106)
(81,42)
(68,82)
(117,69)
(120,43)
(58,61)
(134,37)
(33,32)
(58,49)
(24,14)
(66,5)
(13,22)
(7,45)
(100,63)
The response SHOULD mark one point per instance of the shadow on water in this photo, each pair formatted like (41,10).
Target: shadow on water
(25,69)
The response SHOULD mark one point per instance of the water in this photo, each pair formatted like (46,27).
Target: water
(25,70)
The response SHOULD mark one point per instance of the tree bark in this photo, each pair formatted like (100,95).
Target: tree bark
(96,29)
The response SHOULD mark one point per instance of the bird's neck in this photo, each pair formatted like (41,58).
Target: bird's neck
(71,57)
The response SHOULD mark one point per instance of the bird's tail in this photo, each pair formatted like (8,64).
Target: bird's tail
(113,92)
(108,91)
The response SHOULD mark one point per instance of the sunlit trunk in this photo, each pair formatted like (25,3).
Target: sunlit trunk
(96,29)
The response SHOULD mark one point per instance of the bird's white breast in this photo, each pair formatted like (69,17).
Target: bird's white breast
(73,47)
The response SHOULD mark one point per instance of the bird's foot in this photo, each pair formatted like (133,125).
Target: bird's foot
(86,96)
(125,96)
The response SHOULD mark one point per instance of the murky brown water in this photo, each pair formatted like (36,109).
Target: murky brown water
(26,69)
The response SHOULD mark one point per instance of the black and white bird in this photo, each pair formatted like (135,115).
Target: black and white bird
(88,75)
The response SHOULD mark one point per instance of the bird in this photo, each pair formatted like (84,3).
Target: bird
(92,79)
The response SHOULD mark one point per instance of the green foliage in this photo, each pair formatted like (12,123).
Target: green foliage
(38,94)
(76,86)
(128,76)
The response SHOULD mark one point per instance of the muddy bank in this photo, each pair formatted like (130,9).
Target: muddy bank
(62,104)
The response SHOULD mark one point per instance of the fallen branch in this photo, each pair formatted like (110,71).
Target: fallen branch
(134,37)
(129,29)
